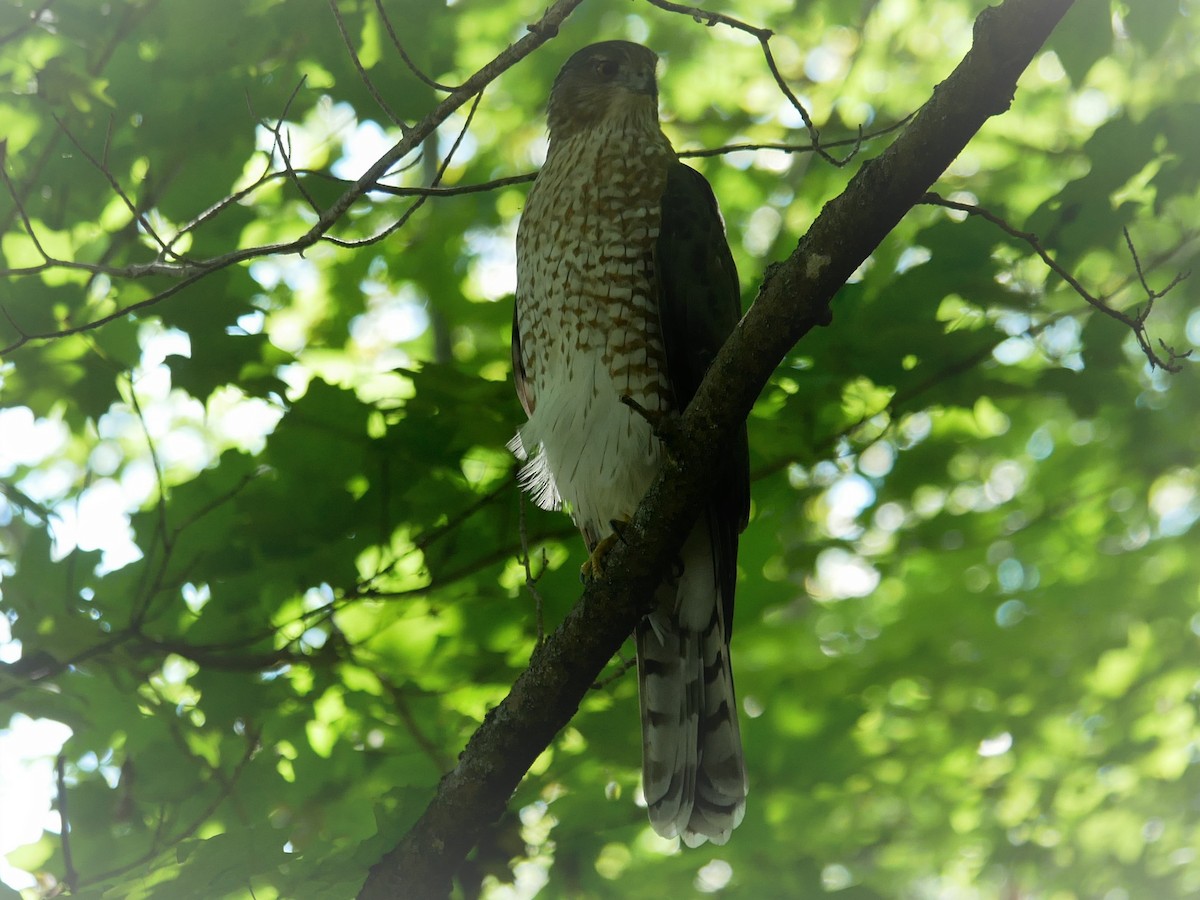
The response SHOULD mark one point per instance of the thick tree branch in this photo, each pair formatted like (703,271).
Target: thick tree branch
(794,298)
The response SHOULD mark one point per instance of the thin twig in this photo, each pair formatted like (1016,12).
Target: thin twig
(626,664)
(1151,295)
(1135,323)
(132,12)
(165,538)
(227,785)
(531,580)
(362,73)
(420,201)
(436,533)
(70,876)
(101,166)
(364,591)
(856,141)
(24,216)
(412,67)
(709,18)
(763,36)
(284,148)
(417,191)
(268,175)
(158,268)
(1137,265)
(400,703)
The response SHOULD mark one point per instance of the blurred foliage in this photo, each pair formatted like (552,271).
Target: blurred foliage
(968,615)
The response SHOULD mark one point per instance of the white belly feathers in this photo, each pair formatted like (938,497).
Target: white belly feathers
(585,447)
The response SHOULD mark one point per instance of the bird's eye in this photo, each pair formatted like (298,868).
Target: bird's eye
(606,68)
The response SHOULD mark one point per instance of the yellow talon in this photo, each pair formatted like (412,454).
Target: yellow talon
(593,568)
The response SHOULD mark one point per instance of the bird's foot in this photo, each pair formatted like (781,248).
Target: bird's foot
(663,422)
(593,568)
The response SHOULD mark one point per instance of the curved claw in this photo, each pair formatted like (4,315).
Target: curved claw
(593,568)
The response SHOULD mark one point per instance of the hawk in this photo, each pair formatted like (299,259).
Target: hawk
(626,289)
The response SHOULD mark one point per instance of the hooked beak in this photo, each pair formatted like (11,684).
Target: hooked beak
(641,81)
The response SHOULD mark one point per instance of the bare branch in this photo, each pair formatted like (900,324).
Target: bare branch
(365,590)
(269,174)
(709,18)
(855,142)
(420,201)
(1135,323)
(399,700)
(163,534)
(284,147)
(412,67)
(362,73)
(435,534)
(130,15)
(1152,295)
(70,876)
(159,268)
(524,178)
(763,36)
(24,216)
(101,166)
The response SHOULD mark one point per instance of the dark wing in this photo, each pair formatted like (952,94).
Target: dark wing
(524,388)
(699,303)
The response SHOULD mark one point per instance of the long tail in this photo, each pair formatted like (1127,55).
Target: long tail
(693,772)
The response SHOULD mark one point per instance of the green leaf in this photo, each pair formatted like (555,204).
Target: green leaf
(1083,37)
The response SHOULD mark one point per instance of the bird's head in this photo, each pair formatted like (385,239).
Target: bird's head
(603,80)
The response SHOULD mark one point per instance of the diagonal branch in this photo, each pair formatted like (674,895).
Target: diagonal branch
(421,198)
(794,298)
(362,72)
(70,875)
(412,66)
(1135,323)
